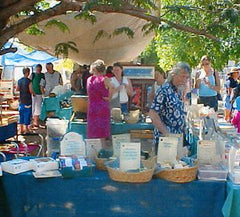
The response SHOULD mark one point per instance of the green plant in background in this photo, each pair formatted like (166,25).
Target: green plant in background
(185,30)
(171,46)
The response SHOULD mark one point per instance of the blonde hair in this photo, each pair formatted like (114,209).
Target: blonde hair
(99,65)
(204,58)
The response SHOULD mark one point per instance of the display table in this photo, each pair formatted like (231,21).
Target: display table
(98,196)
(231,206)
(116,128)
(52,104)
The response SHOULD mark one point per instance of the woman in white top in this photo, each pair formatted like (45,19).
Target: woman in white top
(123,88)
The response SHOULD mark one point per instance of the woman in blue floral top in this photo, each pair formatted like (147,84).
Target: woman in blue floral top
(167,111)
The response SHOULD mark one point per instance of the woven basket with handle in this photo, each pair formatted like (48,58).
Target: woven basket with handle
(182,175)
(136,177)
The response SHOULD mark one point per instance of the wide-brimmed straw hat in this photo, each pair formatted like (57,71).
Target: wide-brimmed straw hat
(234,69)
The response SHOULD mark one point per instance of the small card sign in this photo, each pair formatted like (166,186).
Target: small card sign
(181,151)
(207,152)
(130,154)
(117,140)
(93,146)
(167,149)
(233,158)
(73,144)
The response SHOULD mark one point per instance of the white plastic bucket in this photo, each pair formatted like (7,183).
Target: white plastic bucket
(56,128)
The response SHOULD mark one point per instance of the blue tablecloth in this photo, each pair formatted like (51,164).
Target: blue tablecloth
(231,206)
(116,128)
(98,196)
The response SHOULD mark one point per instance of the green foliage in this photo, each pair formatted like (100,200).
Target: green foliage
(122,30)
(219,18)
(87,15)
(63,48)
(149,27)
(42,5)
(149,55)
(62,26)
(95,3)
(34,30)
(129,32)
(101,33)
(146,4)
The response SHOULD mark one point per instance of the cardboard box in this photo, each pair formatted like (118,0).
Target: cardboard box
(16,166)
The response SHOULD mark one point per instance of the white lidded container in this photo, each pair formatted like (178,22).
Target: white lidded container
(212,172)
(56,128)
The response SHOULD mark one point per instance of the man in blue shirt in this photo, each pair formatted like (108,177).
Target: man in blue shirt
(167,111)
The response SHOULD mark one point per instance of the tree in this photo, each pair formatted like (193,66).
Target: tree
(174,46)
(215,21)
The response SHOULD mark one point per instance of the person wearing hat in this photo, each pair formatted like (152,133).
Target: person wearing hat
(230,84)
(77,80)
(236,117)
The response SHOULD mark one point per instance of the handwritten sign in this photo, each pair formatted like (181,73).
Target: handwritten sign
(167,149)
(117,140)
(181,151)
(93,146)
(207,154)
(130,156)
(73,144)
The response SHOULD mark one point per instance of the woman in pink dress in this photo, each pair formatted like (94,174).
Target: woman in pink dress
(99,91)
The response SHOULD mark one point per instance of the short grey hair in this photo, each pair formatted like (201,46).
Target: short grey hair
(176,70)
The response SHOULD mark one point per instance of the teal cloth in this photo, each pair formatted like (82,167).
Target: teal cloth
(231,207)
(116,128)
(53,104)
(193,148)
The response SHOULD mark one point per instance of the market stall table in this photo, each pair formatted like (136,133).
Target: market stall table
(100,196)
(116,128)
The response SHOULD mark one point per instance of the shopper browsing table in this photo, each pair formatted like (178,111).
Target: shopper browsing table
(25,107)
(77,80)
(37,94)
(52,79)
(231,83)
(99,91)
(123,88)
(167,111)
(208,83)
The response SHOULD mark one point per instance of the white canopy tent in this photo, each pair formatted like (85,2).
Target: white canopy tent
(83,32)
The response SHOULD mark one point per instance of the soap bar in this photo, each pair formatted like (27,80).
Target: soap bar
(44,164)
(16,166)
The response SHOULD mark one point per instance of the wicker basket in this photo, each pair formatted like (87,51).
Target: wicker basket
(138,177)
(100,163)
(178,175)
